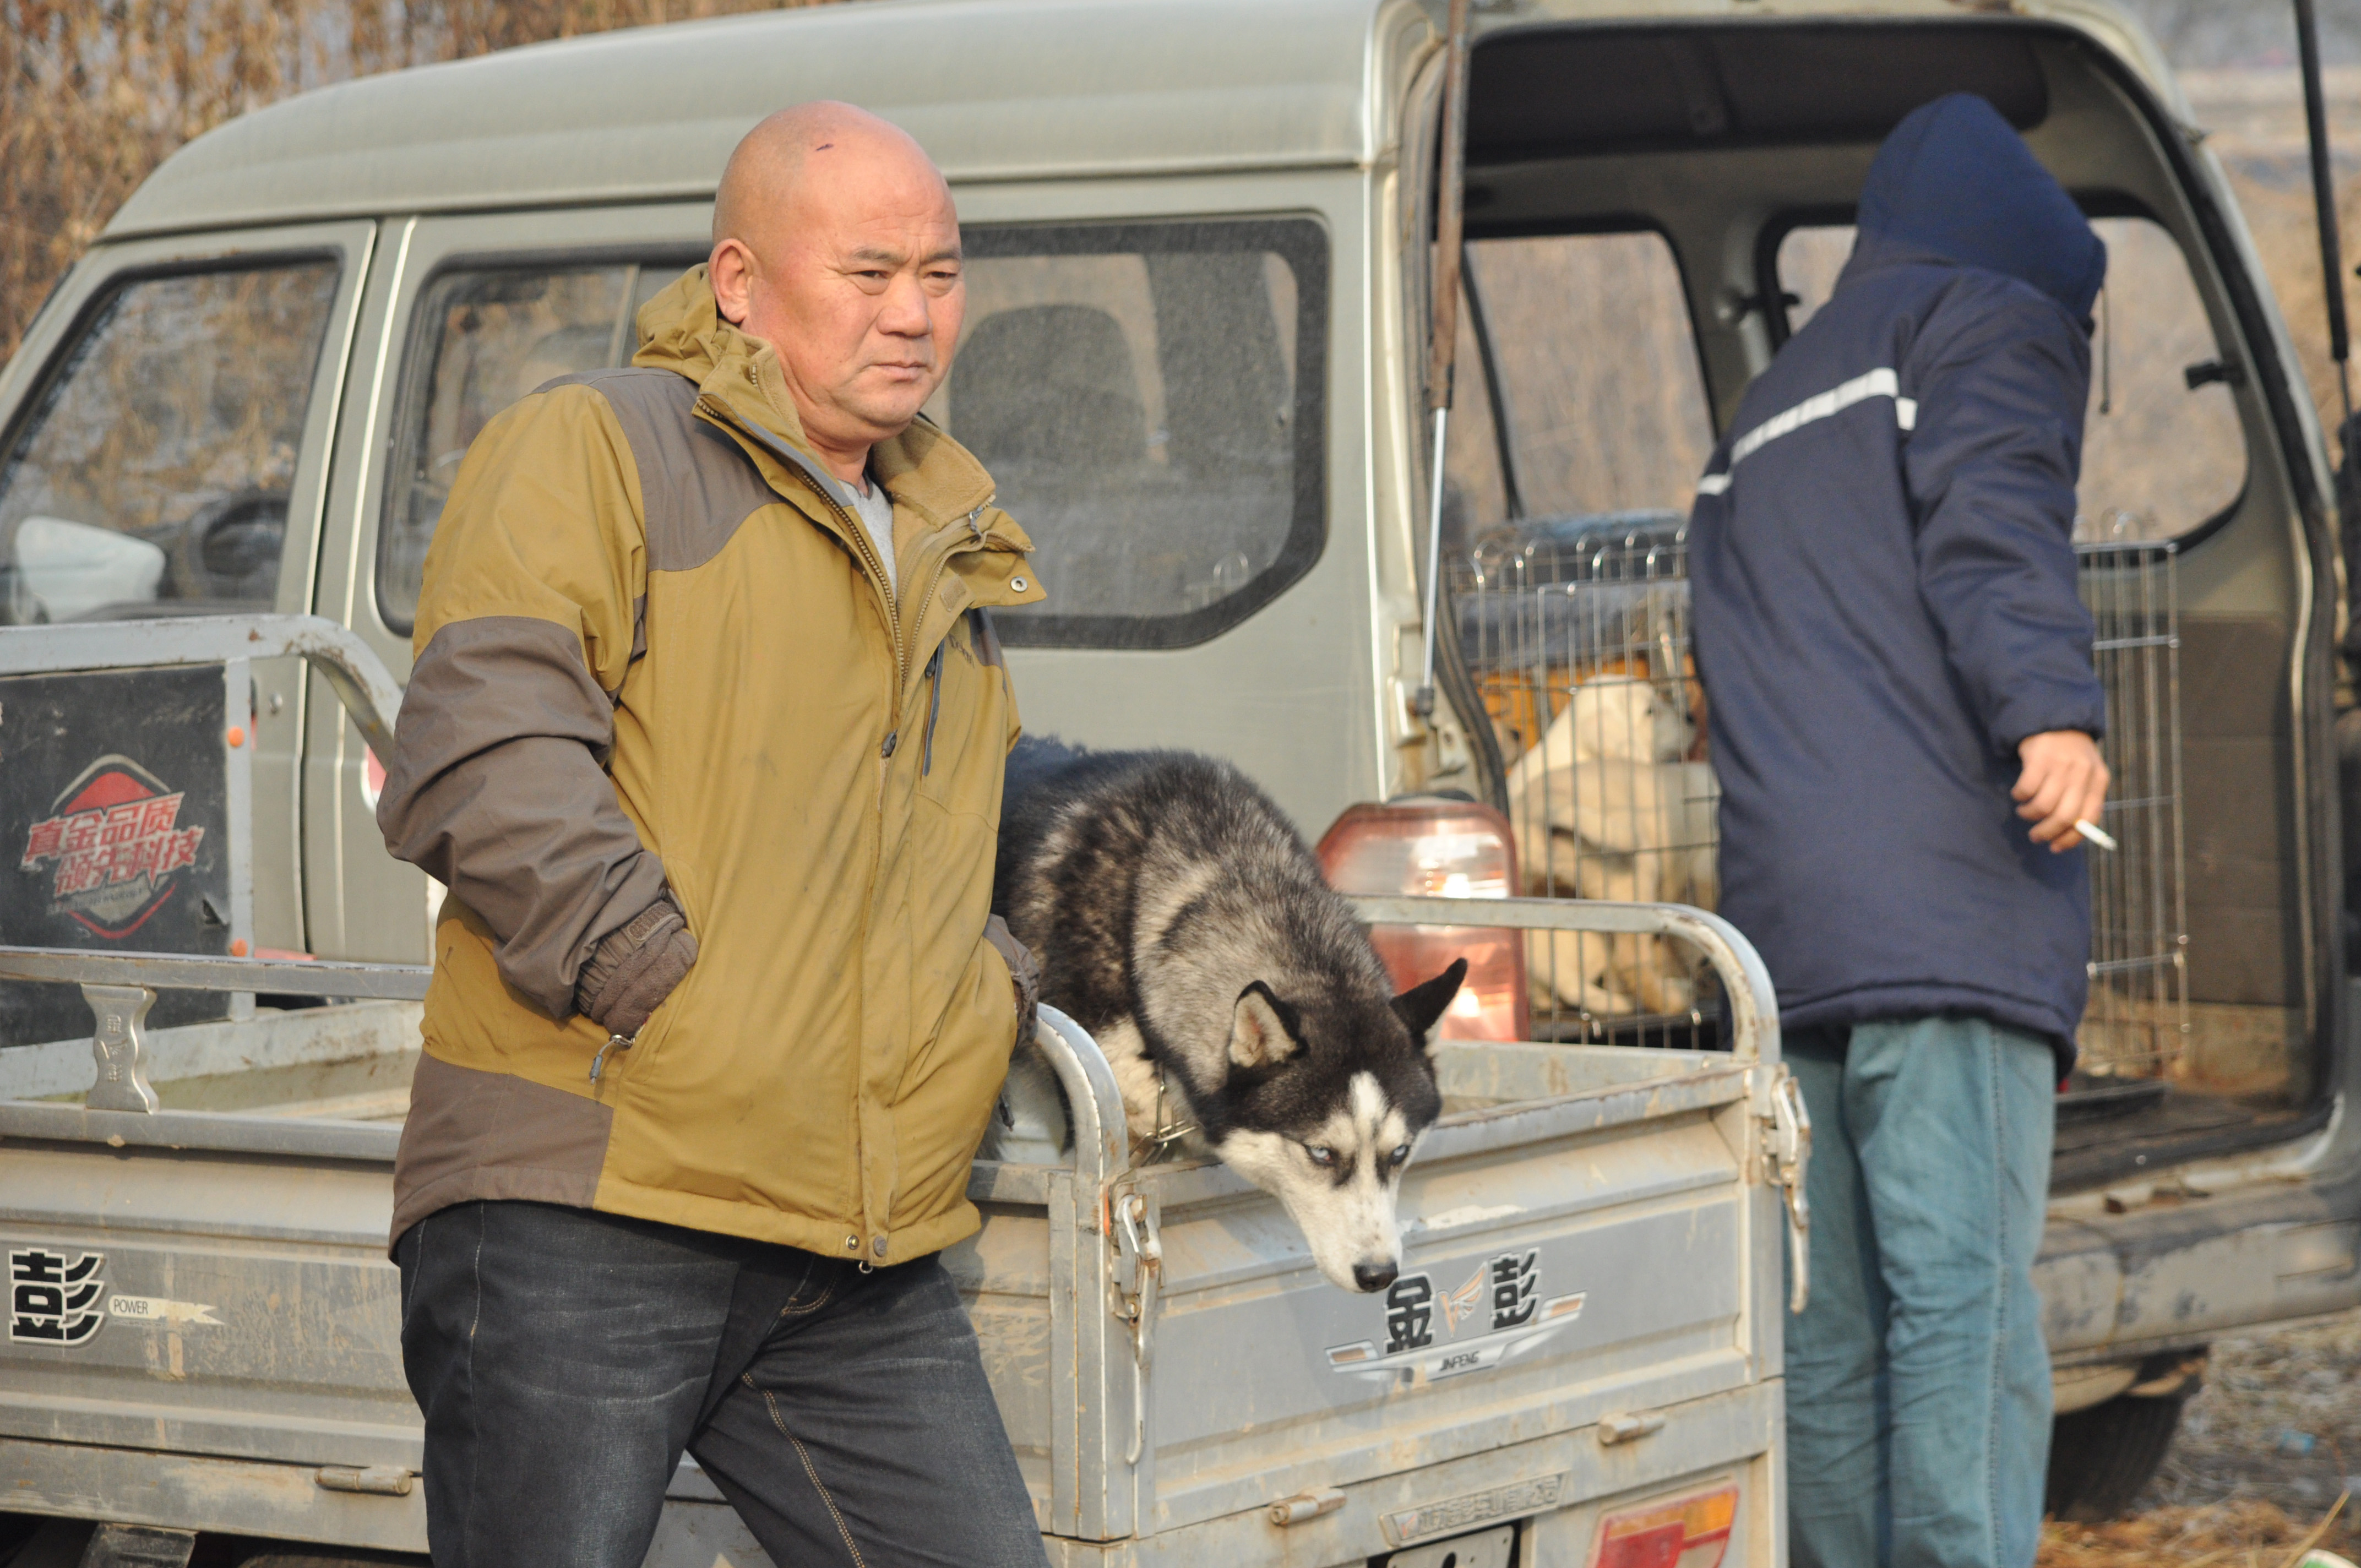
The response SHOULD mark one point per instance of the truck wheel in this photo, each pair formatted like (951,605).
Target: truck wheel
(2099,1458)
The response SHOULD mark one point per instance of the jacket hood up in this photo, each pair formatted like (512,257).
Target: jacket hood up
(1956,180)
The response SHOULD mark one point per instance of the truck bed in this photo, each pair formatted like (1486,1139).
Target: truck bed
(1590,1250)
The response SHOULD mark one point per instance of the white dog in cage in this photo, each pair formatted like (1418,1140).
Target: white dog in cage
(1607,807)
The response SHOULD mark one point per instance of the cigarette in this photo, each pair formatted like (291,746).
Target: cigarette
(2096,835)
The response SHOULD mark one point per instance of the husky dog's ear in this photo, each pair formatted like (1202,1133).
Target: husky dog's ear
(1422,1005)
(1262,1029)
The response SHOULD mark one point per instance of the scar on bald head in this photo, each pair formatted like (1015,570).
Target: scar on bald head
(764,171)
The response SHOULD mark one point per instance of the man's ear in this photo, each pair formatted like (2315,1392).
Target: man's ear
(1423,1004)
(729,269)
(1262,1029)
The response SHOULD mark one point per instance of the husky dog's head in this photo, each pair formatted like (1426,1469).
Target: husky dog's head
(1325,1097)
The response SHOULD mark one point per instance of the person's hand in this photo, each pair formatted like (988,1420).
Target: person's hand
(2064,780)
(635,968)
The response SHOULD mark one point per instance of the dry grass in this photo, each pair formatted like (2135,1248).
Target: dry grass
(2244,1533)
(2266,1449)
(95,94)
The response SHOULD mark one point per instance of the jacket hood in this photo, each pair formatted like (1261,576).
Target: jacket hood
(681,328)
(1956,180)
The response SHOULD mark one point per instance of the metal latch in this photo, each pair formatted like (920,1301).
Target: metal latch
(120,1047)
(1138,1262)
(1630,1428)
(376,1480)
(1138,1271)
(1306,1505)
(1789,1149)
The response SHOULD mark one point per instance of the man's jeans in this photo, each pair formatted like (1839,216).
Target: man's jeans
(564,1359)
(1917,1382)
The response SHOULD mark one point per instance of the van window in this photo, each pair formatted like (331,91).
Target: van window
(1601,408)
(2159,457)
(1148,399)
(482,337)
(154,473)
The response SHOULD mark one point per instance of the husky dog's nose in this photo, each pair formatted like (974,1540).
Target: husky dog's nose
(1374,1275)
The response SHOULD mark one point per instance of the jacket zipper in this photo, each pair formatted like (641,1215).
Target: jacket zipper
(934,705)
(858,536)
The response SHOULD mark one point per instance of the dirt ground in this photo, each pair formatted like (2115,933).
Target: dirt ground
(2264,1453)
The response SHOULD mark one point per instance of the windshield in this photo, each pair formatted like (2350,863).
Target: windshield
(154,474)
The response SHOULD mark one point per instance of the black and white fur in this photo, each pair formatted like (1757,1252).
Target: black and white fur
(1178,917)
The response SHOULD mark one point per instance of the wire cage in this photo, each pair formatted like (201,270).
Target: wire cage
(1577,632)
(2136,1022)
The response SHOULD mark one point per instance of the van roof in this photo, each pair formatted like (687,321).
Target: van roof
(650,113)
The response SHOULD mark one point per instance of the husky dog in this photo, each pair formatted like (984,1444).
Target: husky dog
(1607,807)
(1177,916)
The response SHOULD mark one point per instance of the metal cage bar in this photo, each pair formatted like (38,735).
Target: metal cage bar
(1578,634)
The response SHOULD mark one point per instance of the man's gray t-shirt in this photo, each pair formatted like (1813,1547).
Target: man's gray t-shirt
(875,511)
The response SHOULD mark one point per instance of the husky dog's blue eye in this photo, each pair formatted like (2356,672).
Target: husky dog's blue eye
(1400,1154)
(1321,1153)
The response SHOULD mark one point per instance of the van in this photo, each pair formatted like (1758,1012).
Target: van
(1200,249)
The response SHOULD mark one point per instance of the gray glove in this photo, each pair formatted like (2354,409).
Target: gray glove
(634,968)
(1023,970)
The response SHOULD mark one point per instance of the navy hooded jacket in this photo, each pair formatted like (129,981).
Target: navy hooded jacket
(1887,604)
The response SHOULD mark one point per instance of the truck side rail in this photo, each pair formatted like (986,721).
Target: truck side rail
(120,986)
(1102,1144)
(122,1107)
(183,972)
(1081,1069)
(357,675)
(1752,1019)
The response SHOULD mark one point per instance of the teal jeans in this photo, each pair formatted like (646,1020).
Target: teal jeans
(1917,1382)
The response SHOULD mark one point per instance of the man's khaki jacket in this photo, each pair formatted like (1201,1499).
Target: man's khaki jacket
(655,647)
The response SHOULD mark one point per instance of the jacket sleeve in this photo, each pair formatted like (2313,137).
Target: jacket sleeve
(1991,465)
(526,627)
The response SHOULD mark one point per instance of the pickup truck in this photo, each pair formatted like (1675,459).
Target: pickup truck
(1584,1359)
(1215,221)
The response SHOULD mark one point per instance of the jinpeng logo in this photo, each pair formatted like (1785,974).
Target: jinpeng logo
(1500,1305)
(113,844)
(53,1299)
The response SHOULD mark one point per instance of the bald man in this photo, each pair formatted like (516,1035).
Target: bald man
(705,736)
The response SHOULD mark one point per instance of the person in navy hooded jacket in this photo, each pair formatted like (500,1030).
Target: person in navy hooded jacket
(1904,722)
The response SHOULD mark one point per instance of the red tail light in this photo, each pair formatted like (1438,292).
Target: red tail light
(1686,1533)
(1447,849)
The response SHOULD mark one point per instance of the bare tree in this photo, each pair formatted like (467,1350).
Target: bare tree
(95,94)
